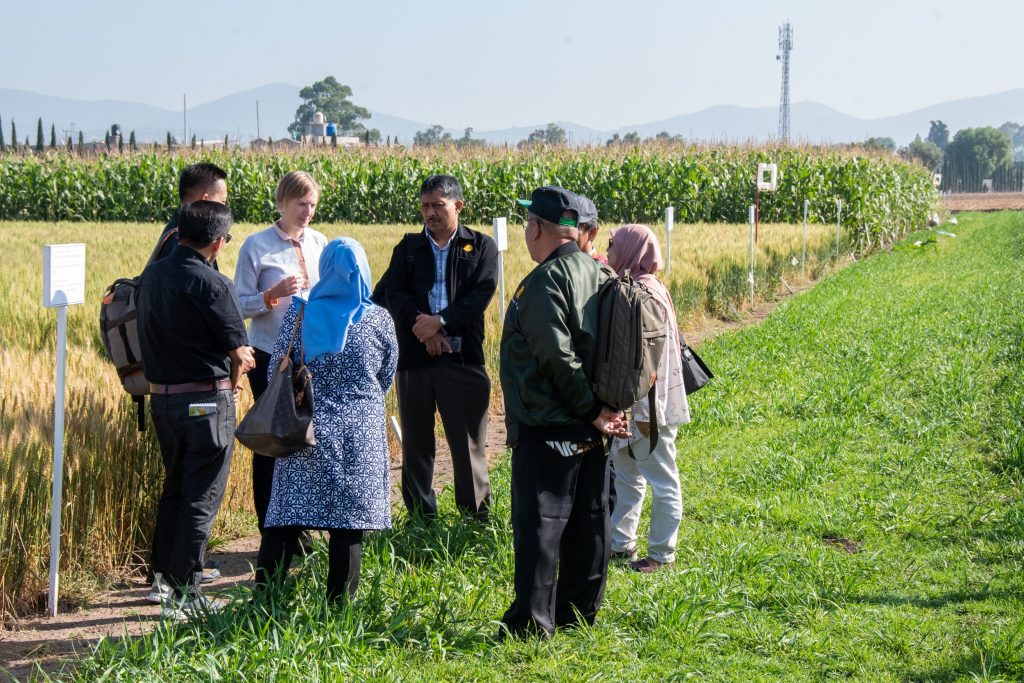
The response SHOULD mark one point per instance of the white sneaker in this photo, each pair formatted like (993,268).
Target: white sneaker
(160,590)
(188,608)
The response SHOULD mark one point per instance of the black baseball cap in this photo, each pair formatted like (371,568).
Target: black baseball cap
(587,210)
(550,202)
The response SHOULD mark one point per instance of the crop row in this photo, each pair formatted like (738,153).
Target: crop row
(881,198)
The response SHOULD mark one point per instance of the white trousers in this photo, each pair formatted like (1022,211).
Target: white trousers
(631,478)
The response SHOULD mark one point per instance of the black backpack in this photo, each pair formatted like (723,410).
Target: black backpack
(632,330)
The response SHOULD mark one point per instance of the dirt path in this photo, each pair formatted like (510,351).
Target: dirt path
(124,612)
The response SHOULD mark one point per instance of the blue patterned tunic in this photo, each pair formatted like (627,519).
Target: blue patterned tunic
(343,482)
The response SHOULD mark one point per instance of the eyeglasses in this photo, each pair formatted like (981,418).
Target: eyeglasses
(227,238)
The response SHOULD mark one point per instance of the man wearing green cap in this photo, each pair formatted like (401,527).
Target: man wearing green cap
(556,425)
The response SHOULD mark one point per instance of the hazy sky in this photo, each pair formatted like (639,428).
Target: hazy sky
(600,63)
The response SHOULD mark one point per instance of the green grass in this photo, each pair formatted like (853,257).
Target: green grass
(884,407)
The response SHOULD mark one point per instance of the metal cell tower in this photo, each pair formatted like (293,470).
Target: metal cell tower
(785,45)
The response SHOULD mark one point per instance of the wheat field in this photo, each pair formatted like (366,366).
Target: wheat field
(112,472)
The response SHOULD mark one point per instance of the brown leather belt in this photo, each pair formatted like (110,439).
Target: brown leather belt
(189,387)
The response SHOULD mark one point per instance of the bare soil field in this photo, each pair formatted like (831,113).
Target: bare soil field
(985,201)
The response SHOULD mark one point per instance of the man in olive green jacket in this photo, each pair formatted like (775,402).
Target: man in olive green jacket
(556,425)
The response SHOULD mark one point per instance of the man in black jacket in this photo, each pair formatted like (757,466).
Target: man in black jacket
(556,425)
(437,288)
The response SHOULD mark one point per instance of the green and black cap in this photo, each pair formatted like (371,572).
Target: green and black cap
(550,202)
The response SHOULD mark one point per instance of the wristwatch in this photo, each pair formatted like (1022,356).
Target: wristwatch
(444,323)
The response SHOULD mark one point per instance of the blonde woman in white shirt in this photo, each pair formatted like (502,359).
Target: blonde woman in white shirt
(635,248)
(274,265)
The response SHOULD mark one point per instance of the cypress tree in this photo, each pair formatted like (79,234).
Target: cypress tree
(131,142)
(193,140)
(71,147)
(39,135)
(53,136)
(14,135)
(120,143)
(225,141)
(3,145)
(81,142)
(168,140)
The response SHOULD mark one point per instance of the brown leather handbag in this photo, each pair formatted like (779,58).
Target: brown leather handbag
(280,422)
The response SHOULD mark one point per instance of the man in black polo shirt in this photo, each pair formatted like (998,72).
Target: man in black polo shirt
(194,350)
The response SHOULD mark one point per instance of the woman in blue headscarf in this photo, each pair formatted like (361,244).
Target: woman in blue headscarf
(342,484)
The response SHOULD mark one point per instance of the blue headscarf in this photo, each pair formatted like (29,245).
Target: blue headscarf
(339,299)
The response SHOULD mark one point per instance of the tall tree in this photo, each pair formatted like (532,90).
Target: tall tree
(435,135)
(553,135)
(926,153)
(53,136)
(985,149)
(81,142)
(880,144)
(39,135)
(225,141)
(3,145)
(331,98)
(131,142)
(71,147)
(938,134)
(14,135)
(169,140)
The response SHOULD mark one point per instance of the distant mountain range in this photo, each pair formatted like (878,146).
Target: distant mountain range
(235,116)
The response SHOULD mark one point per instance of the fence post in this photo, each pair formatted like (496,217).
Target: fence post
(501,240)
(669,220)
(839,220)
(752,219)
(803,258)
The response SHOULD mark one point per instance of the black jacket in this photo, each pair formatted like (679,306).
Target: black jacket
(471,273)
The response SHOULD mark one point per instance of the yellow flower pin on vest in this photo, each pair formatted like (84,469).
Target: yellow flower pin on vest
(468,248)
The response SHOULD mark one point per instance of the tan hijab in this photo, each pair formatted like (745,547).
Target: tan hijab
(637,250)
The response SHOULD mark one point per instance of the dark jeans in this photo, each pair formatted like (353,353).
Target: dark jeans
(461,394)
(560,536)
(197,456)
(279,544)
(262,465)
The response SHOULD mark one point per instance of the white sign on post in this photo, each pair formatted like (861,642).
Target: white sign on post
(63,284)
(501,239)
(63,274)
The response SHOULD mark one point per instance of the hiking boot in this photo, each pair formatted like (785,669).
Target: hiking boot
(160,591)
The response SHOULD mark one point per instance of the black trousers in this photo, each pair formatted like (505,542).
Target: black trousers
(262,465)
(461,394)
(278,546)
(196,451)
(560,533)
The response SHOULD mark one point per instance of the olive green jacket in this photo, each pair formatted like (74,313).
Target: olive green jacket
(547,349)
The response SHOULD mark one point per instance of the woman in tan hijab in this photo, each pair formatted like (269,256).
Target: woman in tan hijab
(635,248)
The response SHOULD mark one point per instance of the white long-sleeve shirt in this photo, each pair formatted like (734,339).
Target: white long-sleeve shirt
(266,258)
